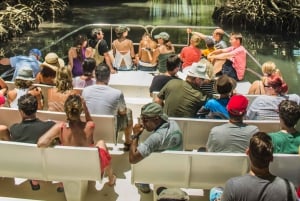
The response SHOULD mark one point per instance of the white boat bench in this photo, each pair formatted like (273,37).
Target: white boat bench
(74,166)
(196,131)
(104,130)
(203,170)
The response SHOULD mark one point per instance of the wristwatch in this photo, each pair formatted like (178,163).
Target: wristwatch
(134,137)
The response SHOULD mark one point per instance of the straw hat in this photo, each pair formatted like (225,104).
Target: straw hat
(53,62)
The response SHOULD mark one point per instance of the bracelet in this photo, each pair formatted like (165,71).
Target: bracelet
(134,137)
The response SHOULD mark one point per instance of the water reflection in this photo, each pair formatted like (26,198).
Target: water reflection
(285,52)
(192,12)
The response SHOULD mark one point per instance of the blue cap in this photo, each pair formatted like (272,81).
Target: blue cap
(36,52)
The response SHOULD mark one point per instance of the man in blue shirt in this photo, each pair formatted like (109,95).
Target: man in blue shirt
(18,62)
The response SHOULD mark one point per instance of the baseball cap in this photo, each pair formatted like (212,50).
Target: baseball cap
(171,194)
(162,35)
(237,105)
(36,52)
(152,110)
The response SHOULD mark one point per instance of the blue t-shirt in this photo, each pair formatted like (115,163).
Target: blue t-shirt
(218,105)
(19,62)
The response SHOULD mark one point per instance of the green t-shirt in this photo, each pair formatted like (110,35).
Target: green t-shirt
(285,143)
(181,99)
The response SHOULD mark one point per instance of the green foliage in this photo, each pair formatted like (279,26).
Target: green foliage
(16,17)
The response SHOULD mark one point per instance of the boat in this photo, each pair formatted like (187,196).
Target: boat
(135,86)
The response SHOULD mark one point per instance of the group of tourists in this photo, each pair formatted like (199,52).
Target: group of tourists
(215,73)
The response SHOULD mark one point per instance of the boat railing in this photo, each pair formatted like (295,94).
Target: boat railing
(179,36)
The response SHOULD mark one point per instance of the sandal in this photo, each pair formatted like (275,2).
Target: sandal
(34,187)
(127,146)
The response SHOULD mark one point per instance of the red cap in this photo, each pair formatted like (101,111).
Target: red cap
(237,105)
(2,99)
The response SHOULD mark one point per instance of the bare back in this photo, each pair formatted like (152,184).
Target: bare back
(77,133)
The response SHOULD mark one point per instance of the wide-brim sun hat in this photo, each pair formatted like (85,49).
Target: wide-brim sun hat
(199,70)
(25,73)
(53,62)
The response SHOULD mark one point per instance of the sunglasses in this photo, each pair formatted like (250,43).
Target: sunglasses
(145,119)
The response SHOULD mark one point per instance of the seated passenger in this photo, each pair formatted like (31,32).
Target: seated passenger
(265,107)
(123,50)
(77,54)
(287,140)
(23,83)
(163,51)
(18,62)
(146,60)
(191,54)
(165,135)
(183,98)
(87,79)
(217,37)
(30,128)
(259,86)
(260,183)
(3,87)
(49,68)
(210,47)
(76,132)
(216,108)
(63,88)
(159,81)
(105,100)
(232,60)
(235,135)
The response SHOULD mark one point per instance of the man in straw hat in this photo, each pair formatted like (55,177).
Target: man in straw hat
(183,98)
(165,135)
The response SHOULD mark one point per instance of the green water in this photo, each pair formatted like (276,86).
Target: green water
(285,52)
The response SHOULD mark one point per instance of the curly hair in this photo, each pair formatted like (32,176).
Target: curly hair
(73,107)
(63,80)
(23,84)
(28,104)
(289,112)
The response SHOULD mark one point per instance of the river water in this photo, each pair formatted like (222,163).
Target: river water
(285,52)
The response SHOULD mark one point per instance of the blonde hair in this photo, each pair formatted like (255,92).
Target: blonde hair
(196,39)
(268,68)
(63,80)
